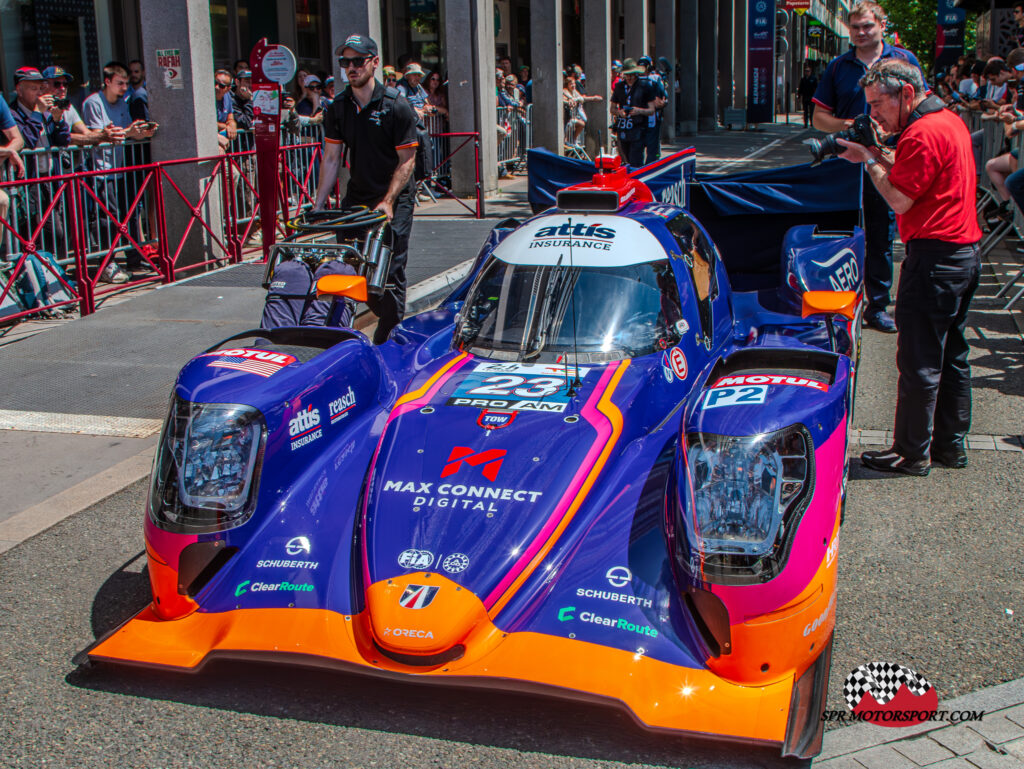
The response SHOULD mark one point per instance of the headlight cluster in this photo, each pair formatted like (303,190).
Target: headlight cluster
(745,496)
(207,467)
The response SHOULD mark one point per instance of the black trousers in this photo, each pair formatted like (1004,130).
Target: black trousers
(879,231)
(632,150)
(652,143)
(933,406)
(808,111)
(389,307)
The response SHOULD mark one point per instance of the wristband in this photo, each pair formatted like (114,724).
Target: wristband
(870,162)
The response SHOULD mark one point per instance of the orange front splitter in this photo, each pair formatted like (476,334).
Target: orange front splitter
(659,695)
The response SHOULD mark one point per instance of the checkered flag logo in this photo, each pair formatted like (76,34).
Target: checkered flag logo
(883,680)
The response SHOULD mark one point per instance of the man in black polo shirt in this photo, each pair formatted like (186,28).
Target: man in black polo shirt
(632,104)
(378,128)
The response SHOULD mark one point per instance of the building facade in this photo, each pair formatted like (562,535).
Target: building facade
(705,43)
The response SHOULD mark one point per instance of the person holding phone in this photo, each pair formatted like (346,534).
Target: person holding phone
(106,110)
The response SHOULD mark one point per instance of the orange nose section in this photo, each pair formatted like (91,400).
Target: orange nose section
(422,613)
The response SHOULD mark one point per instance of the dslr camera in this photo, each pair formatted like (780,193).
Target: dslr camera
(62,103)
(861,132)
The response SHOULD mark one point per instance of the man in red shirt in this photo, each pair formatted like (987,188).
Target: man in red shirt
(930,184)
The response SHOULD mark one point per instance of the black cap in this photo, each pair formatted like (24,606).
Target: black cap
(363,44)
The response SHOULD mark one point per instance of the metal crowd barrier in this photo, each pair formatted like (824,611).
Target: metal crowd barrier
(993,144)
(514,134)
(440,146)
(574,146)
(115,193)
(88,205)
(300,156)
(1017,226)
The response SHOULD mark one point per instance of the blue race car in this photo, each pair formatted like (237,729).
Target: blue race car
(596,470)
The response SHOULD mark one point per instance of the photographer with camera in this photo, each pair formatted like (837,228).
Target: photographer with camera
(55,93)
(930,183)
(376,126)
(838,100)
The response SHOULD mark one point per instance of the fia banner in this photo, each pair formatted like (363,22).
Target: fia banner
(760,61)
(949,41)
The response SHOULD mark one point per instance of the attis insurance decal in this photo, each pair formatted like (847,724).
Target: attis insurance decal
(304,428)
(595,236)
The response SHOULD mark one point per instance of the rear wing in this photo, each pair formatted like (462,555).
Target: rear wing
(668,179)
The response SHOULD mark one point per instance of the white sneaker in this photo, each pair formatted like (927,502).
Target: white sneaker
(113,274)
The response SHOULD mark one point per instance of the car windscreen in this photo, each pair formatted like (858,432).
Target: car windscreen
(541,312)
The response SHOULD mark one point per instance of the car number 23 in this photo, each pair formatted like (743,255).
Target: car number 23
(505,385)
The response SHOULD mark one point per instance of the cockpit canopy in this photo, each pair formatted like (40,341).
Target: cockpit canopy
(584,289)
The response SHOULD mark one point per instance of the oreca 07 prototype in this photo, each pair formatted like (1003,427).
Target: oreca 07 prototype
(593,471)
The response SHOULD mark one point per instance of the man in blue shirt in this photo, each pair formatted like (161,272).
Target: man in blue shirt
(40,129)
(12,143)
(838,100)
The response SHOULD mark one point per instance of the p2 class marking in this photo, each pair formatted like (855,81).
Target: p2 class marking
(495,420)
(747,395)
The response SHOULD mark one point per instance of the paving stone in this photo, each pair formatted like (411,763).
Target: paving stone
(998,728)
(883,757)
(953,763)
(981,442)
(986,758)
(959,739)
(841,762)
(1015,714)
(923,751)
(1016,748)
(1008,443)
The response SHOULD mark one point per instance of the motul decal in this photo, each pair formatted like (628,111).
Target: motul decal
(771,379)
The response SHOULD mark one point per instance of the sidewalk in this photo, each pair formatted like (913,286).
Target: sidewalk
(995,742)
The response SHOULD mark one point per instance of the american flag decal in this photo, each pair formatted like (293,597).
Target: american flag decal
(260,362)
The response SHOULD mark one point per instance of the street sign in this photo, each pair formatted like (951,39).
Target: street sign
(800,6)
(278,64)
(272,66)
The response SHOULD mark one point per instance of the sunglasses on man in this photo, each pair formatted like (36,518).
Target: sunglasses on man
(356,61)
(219,84)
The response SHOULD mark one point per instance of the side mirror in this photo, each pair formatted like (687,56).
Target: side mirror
(351,286)
(830,303)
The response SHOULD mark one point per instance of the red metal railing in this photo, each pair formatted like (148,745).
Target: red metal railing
(83,201)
